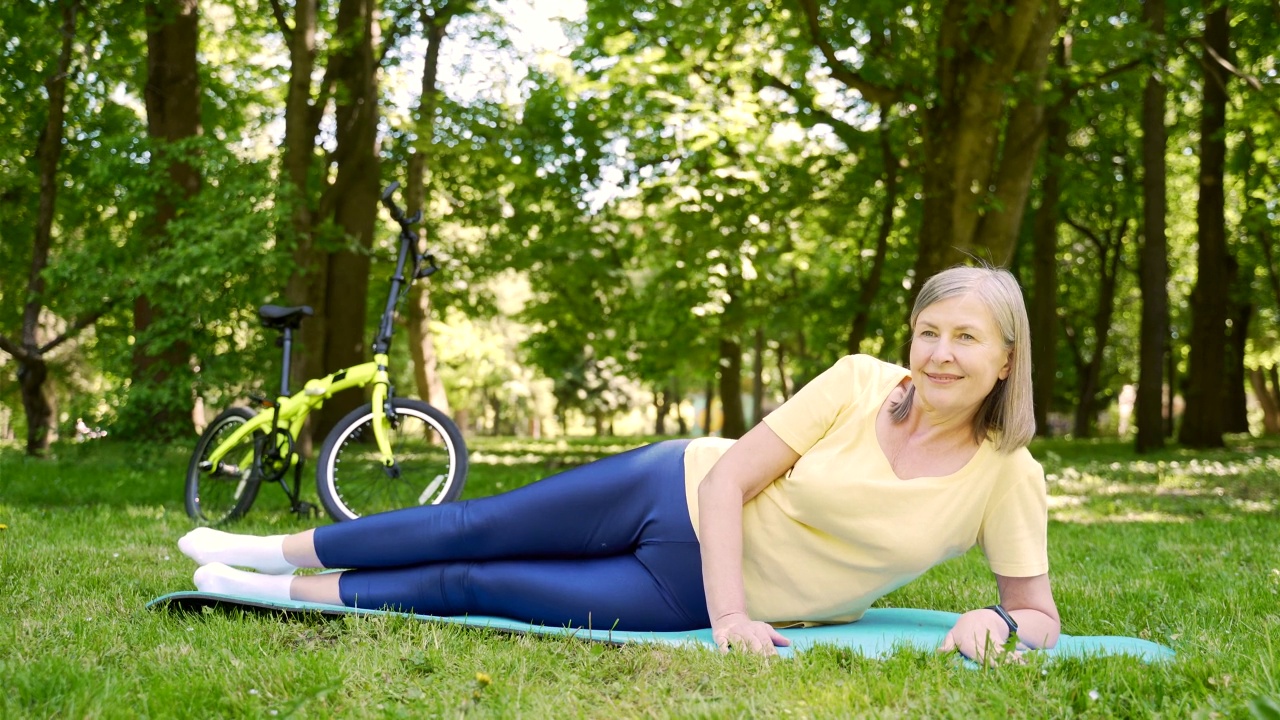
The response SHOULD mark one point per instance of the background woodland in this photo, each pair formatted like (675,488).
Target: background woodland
(684,200)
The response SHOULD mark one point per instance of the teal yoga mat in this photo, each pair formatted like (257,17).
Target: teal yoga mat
(878,633)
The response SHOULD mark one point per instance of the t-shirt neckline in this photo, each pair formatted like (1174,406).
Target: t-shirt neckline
(964,469)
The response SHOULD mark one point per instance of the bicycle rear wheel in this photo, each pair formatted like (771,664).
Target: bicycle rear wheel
(226,492)
(430,455)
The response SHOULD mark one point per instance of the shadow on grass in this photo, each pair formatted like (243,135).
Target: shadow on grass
(1106,481)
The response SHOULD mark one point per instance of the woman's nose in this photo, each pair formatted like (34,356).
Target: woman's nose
(942,350)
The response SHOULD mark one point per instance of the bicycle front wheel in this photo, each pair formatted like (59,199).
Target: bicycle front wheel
(223,493)
(430,462)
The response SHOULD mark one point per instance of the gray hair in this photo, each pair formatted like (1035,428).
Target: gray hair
(1007,413)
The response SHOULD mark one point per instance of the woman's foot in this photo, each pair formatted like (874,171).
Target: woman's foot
(223,580)
(264,554)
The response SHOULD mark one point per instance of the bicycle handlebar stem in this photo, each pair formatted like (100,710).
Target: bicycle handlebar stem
(408,248)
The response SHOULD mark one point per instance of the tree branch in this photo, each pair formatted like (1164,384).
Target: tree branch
(278,12)
(848,133)
(1093,237)
(1225,64)
(75,328)
(839,70)
(14,349)
(1212,55)
(1073,343)
(1070,90)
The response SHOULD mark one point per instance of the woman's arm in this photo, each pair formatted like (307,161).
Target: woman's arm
(1028,600)
(753,462)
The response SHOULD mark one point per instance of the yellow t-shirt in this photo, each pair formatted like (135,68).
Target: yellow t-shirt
(840,529)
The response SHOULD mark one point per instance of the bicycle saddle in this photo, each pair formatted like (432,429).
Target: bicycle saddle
(279,318)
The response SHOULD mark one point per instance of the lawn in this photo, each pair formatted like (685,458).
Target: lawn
(1176,547)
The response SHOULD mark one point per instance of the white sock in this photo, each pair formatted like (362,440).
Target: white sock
(224,580)
(264,554)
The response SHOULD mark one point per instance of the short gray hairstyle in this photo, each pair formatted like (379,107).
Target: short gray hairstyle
(1007,413)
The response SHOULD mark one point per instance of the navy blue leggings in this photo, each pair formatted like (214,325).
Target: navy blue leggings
(604,545)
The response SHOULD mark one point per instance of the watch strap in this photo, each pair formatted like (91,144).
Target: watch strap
(1005,616)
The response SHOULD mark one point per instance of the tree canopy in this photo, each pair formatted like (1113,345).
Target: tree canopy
(678,202)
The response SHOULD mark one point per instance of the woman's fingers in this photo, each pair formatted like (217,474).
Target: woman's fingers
(756,637)
(777,638)
(948,643)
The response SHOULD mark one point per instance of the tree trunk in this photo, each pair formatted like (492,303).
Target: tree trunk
(661,406)
(1270,410)
(1154,262)
(1091,375)
(495,403)
(731,388)
(307,283)
(1044,263)
(1203,423)
(870,285)
(352,200)
(998,228)
(156,404)
(1171,372)
(677,399)
(33,370)
(422,346)
(780,355)
(38,404)
(711,395)
(980,51)
(1236,403)
(1273,372)
(757,378)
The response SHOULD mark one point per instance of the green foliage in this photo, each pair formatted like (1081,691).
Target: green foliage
(688,172)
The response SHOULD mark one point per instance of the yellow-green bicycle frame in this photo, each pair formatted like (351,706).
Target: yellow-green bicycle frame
(293,411)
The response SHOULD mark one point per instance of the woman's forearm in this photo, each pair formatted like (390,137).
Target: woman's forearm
(754,461)
(720,537)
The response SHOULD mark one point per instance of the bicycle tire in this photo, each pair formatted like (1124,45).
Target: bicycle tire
(214,498)
(350,476)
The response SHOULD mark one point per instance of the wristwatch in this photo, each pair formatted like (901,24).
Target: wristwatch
(1006,617)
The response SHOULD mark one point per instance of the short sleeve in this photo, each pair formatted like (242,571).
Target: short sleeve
(804,419)
(1014,533)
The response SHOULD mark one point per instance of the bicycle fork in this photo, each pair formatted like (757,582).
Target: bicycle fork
(383,414)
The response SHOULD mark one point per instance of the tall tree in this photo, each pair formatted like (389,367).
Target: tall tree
(172,96)
(31,350)
(1153,266)
(1235,401)
(307,284)
(976,179)
(869,287)
(1203,423)
(1044,263)
(351,202)
(435,24)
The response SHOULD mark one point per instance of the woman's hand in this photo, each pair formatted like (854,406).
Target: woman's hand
(976,633)
(736,631)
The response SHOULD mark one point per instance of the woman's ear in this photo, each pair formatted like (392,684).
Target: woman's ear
(1008,367)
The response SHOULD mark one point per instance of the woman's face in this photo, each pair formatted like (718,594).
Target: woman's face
(957,355)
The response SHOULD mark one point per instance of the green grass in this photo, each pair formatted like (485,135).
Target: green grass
(1177,547)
